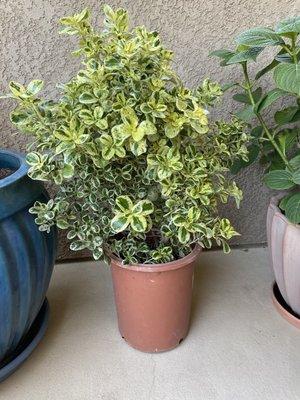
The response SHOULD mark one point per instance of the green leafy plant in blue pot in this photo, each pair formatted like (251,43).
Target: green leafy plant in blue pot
(275,138)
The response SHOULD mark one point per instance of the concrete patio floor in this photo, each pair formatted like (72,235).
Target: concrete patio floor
(238,347)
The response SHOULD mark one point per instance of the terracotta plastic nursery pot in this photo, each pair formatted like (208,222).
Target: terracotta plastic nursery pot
(153,301)
(284,250)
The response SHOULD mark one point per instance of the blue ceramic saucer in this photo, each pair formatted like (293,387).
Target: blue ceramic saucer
(27,345)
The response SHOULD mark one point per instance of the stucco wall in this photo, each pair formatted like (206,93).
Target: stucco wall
(31,48)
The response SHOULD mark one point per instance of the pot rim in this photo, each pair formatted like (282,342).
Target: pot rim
(274,204)
(16,161)
(176,264)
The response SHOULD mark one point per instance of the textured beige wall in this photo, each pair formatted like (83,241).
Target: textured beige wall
(31,48)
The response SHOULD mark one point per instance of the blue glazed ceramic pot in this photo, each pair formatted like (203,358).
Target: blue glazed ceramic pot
(26,255)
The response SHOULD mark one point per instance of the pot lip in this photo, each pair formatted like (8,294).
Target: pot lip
(176,264)
(278,213)
(18,161)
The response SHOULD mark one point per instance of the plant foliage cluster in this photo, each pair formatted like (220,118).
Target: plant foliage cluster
(140,168)
(276,143)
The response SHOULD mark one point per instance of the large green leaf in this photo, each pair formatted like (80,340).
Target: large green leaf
(287,77)
(244,98)
(296,177)
(241,98)
(285,116)
(289,25)
(284,58)
(287,138)
(249,54)
(224,54)
(259,37)
(284,201)
(270,98)
(296,116)
(295,162)
(279,179)
(276,162)
(246,114)
(292,208)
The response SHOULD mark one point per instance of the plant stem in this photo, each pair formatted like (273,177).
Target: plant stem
(261,120)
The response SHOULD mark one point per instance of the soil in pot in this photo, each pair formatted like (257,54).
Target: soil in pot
(4,172)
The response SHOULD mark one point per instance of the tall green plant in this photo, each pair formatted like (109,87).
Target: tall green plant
(140,168)
(276,143)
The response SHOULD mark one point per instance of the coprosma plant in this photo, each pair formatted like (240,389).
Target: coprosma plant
(140,169)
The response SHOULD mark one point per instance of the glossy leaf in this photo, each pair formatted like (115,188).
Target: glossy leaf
(279,179)
(183,235)
(34,87)
(124,203)
(284,200)
(244,98)
(287,77)
(119,223)
(139,223)
(143,207)
(285,116)
(295,162)
(270,98)
(296,177)
(87,98)
(68,171)
(289,25)
(249,54)
(259,37)
(292,208)
(246,114)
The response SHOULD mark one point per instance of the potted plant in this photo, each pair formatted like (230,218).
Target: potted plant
(277,145)
(26,263)
(140,171)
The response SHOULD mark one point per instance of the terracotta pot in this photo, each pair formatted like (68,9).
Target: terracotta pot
(153,301)
(284,250)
